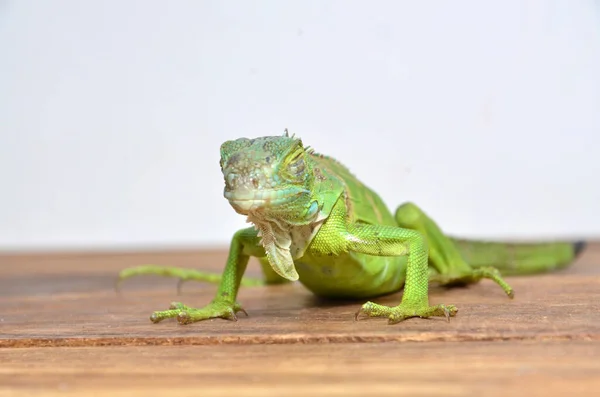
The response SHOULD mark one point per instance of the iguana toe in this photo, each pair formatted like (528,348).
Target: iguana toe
(404,311)
(187,315)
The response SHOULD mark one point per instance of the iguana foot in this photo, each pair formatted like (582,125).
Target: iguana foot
(472,276)
(406,310)
(183,274)
(188,315)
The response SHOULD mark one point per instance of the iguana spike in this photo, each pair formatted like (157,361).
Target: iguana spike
(287,134)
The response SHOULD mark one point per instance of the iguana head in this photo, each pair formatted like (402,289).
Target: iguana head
(270,180)
(268,175)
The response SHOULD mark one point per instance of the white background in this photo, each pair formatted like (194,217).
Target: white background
(486,114)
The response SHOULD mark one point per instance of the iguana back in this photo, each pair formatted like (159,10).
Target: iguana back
(364,205)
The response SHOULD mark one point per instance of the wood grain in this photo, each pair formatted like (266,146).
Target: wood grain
(70,302)
(380,369)
(63,330)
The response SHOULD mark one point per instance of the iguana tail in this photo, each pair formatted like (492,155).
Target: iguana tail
(519,258)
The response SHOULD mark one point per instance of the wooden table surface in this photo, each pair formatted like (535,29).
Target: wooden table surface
(64,331)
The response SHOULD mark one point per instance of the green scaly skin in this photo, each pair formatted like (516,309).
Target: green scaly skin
(316,223)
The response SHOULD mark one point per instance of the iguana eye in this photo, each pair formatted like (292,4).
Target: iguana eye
(297,167)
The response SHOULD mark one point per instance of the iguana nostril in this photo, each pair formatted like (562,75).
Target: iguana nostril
(230,181)
(254,182)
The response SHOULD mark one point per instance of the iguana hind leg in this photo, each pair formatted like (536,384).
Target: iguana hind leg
(186,274)
(444,255)
(180,273)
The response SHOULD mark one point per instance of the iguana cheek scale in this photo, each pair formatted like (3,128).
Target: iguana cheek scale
(315,222)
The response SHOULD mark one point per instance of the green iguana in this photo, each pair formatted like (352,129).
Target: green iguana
(316,222)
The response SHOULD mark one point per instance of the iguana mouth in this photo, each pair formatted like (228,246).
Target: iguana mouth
(252,200)
(245,206)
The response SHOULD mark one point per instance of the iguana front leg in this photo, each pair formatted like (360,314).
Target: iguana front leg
(394,241)
(245,243)
(444,255)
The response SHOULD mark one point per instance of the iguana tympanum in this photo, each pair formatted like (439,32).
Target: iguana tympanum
(315,222)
